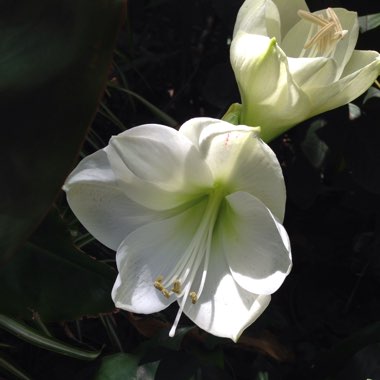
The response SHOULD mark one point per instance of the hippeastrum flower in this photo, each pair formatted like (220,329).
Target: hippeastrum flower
(195,217)
(291,64)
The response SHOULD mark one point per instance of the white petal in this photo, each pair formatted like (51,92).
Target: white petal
(151,251)
(288,11)
(224,309)
(360,72)
(313,72)
(346,46)
(99,204)
(258,17)
(157,166)
(240,161)
(271,99)
(256,247)
(294,41)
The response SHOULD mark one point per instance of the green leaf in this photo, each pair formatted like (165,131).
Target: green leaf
(330,363)
(11,368)
(313,147)
(151,107)
(369,22)
(178,365)
(51,277)
(118,367)
(34,337)
(55,56)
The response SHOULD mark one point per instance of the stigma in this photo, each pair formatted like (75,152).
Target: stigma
(329,32)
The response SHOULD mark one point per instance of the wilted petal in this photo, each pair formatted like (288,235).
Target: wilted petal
(150,252)
(159,168)
(257,250)
(224,308)
(100,205)
(359,74)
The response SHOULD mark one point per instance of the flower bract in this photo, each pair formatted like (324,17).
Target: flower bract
(291,64)
(195,216)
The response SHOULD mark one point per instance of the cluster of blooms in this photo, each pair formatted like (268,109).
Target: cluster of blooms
(195,215)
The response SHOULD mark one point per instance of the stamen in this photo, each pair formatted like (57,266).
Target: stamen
(194,297)
(158,283)
(329,32)
(180,279)
(177,287)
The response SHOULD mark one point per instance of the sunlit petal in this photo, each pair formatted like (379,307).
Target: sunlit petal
(150,252)
(159,167)
(101,206)
(257,250)
(224,308)
(359,74)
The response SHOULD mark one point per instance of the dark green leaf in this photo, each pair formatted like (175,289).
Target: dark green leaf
(313,147)
(178,365)
(11,368)
(55,56)
(341,354)
(36,338)
(118,367)
(53,278)
(369,22)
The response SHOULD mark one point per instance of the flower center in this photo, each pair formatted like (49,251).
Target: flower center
(329,33)
(179,281)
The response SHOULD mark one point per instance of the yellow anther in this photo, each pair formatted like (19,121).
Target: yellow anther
(177,287)
(158,283)
(194,297)
(166,293)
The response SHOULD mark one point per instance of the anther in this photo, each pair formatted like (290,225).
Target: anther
(177,287)
(166,293)
(329,29)
(194,297)
(158,283)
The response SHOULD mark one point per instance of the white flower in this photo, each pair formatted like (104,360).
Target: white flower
(291,64)
(195,216)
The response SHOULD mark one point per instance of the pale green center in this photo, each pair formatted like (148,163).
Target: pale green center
(179,281)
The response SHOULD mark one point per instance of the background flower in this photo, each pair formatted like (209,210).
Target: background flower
(289,69)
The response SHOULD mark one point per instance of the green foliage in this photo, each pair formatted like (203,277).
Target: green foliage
(118,367)
(40,340)
(54,61)
(50,277)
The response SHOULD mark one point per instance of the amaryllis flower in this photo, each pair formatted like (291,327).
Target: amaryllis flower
(291,64)
(195,217)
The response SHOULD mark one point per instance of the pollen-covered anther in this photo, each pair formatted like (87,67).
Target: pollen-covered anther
(166,293)
(329,29)
(194,297)
(177,288)
(158,283)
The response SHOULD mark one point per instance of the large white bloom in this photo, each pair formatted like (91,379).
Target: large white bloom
(195,216)
(291,64)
